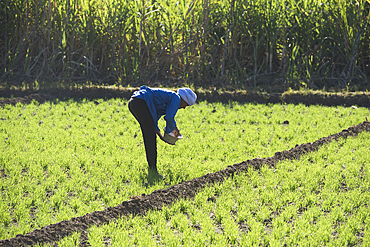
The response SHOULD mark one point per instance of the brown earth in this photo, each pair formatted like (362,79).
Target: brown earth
(157,199)
(307,97)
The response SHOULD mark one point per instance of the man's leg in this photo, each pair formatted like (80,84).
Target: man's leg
(141,112)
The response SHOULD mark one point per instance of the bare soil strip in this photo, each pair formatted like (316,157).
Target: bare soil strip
(361,99)
(157,199)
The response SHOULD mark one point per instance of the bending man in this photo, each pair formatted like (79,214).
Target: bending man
(148,105)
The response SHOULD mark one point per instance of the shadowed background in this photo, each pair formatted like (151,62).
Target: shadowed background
(205,43)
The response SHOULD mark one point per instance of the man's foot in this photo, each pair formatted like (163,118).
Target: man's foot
(154,175)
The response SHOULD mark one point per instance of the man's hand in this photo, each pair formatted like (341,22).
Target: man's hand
(176,132)
(159,134)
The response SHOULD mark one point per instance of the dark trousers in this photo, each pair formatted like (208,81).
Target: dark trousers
(141,112)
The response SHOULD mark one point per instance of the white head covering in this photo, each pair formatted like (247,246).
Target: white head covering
(187,95)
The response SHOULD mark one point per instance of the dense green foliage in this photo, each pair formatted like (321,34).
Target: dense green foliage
(64,159)
(316,43)
(319,200)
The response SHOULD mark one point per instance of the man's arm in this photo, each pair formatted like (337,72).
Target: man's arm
(171,111)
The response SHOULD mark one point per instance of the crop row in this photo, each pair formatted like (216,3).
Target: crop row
(66,159)
(320,199)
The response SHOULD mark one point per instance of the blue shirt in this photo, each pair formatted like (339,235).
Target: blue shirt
(160,102)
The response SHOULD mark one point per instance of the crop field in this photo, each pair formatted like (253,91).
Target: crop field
(65,159)
(320,200)
(321,43)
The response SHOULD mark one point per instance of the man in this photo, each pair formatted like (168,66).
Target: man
(148,105)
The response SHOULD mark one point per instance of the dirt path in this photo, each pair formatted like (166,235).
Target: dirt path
(304,97)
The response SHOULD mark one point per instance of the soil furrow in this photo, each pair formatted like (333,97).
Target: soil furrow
(157,199)
(360,99)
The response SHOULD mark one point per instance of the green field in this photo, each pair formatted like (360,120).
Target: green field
(321,199)
(65,159)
